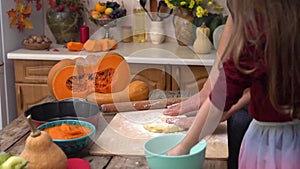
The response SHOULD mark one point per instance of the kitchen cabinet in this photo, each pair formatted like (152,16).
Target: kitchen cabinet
(189,78)
(31,82)
(28,95)
(155,76)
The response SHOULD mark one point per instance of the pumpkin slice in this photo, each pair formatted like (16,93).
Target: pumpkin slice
(57,67)
(100,45)
(116,67)
(74,46)
(67,84)
(92,46)
(81,76)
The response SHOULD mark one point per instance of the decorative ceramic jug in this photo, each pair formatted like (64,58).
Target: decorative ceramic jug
(202,43)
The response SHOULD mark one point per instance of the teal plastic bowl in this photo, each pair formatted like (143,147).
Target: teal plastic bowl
(71,146)
(156,148)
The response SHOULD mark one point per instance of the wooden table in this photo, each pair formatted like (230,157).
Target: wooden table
(13,136)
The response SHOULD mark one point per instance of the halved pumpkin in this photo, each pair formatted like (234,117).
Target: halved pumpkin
(81,76)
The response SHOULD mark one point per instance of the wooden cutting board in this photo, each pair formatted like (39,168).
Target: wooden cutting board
(125,135)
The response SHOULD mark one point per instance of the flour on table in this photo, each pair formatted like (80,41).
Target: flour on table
(161,126)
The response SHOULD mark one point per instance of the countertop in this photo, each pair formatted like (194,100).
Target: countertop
(166,53)
(13,136)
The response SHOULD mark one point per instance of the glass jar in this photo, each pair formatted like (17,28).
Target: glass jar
(139,16)
(126,34)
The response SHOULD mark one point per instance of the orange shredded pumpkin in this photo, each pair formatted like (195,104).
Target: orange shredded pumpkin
(67,131)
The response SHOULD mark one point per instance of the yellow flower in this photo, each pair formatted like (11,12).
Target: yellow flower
(182,3)
(209,3)
(198,7)
(200,12)
(192,3)
(171,6)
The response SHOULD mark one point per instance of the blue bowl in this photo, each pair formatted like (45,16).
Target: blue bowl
(156,148)
(71,146)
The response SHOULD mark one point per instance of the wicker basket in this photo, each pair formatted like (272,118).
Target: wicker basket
(37,46)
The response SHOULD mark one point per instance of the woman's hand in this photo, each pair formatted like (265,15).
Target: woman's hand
(181,122)
(173,110)
(178,150)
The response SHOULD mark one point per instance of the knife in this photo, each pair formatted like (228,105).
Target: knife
(139,105)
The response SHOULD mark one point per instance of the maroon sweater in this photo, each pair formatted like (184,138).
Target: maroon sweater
(232,82)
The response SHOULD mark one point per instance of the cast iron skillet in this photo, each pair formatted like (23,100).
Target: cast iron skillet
(65,109)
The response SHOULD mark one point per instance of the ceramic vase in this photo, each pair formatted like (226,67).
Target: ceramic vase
(64,25)
(183,24)
(157,32)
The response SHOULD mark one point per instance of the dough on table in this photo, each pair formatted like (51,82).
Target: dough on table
(161,126)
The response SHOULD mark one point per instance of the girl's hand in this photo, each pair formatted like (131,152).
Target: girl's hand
(178,150)
(181,122)
(173,110)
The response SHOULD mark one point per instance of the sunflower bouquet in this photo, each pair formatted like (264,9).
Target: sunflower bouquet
(199,7)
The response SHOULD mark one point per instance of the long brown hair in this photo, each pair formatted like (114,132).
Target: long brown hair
(281,31)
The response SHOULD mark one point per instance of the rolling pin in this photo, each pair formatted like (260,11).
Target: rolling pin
(139,105)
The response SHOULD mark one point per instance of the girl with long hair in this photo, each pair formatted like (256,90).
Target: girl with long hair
(263,54)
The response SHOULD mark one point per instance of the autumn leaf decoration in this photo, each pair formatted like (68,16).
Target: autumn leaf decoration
(20,15)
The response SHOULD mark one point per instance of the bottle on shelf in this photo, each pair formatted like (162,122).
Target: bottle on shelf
(84,33)
(139,34)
